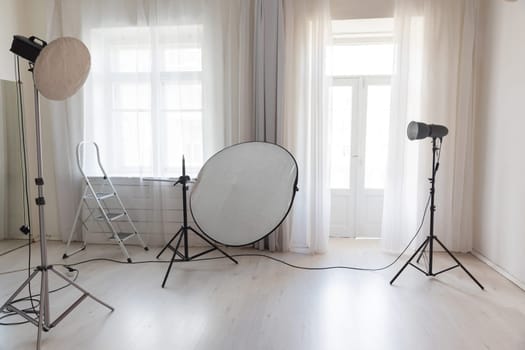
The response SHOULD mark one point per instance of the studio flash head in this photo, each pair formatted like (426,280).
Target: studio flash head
(417,131)
(28,48)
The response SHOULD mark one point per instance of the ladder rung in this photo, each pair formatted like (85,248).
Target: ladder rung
(111,216)
(101,195)
(124,236)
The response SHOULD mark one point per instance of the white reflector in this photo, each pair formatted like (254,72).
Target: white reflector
(244,192)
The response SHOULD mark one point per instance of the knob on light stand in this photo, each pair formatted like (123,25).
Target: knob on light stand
(417,131)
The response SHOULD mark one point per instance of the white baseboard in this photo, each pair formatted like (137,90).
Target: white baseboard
(499,270)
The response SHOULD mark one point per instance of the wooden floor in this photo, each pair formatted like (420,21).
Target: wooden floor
(261,304)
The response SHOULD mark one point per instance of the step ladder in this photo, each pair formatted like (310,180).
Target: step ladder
(101,212)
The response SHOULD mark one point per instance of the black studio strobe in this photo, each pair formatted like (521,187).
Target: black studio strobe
(417,131)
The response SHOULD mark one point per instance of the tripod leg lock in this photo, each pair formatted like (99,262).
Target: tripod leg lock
(40,201)
(44,268)
(39,181)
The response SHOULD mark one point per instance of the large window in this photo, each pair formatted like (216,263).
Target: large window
(145,107)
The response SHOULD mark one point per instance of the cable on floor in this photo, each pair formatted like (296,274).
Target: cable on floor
(256,255)
(34,301)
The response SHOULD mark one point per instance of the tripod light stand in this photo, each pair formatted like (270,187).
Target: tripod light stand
(436,132)
(30,49)
(182,234)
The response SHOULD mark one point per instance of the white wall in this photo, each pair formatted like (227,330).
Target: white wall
(10,24)
(29,17)
(11,180)
(500,160)
(3,165)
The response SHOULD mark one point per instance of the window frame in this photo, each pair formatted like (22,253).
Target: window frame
(157,41)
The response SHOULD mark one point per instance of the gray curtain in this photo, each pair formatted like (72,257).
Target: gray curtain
(268,89)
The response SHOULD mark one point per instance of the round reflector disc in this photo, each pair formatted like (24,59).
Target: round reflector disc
(244,192)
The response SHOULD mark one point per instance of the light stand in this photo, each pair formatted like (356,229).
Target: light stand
(429,241)
(43,318)
(184,230)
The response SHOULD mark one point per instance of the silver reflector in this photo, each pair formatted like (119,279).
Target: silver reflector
(244,192)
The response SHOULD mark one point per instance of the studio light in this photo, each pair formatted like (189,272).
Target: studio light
(59,70)
(418,131)
(27,48)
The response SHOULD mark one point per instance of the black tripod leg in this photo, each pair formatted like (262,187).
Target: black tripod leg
(409,260)
(172,261)
(422,252)
(169,269)
(169,243)
(213,245)
(460,264)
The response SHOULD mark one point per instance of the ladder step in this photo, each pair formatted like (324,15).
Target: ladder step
(101,195)
(124,236)
(111,216)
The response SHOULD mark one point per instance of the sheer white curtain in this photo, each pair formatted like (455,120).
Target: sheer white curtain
(305,122)
(224,31)
(433,83)
(290,38)
(175,78)
(146,57)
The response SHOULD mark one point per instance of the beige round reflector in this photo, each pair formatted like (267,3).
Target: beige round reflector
(61,68)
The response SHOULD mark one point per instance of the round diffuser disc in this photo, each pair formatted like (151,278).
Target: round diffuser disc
(61,68)
(244,192)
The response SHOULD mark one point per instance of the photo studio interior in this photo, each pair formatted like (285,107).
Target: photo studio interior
(262,174)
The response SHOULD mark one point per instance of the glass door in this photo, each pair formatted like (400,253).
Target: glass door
(360,112)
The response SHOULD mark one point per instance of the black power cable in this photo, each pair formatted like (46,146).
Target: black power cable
(33,299)
(13,249)
(252,255)
(23,157)
(35,302)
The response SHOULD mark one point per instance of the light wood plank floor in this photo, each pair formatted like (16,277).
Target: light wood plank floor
(261,304)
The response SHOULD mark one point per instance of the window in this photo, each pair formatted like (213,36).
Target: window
(145,107)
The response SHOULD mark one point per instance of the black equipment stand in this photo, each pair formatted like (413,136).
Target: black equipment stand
(429,241)
(182,233)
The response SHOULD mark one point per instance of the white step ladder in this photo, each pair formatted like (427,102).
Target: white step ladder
(100,211)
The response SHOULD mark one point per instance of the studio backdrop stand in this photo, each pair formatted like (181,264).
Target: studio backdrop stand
(185,229)
(43,315)
(429,241)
